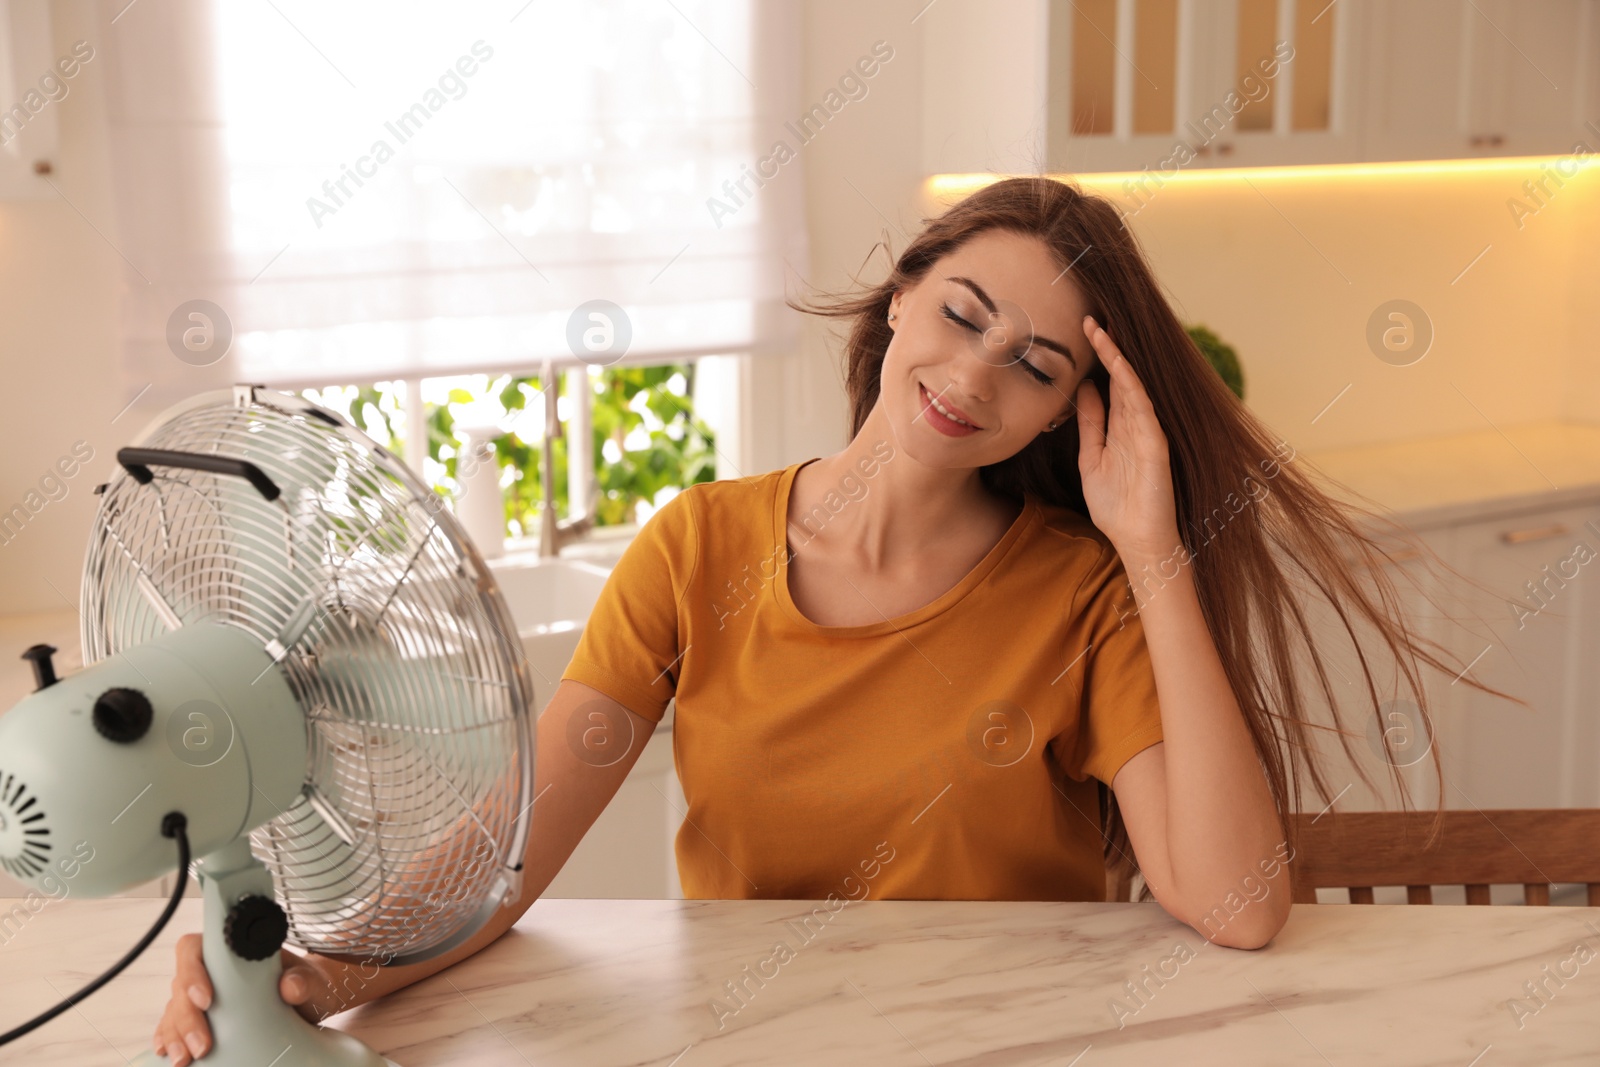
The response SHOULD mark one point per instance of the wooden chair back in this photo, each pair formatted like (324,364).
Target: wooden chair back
(1533,847)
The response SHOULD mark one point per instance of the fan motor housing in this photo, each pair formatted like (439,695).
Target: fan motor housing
(100,781)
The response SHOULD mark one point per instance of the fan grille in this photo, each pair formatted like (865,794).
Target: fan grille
(395,641)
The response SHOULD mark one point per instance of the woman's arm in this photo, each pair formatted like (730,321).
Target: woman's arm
(570,795)
(1197,805)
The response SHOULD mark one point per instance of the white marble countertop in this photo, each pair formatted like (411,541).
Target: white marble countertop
(900,982)
(1443,479)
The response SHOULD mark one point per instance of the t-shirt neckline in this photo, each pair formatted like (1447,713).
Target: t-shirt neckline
(952,596)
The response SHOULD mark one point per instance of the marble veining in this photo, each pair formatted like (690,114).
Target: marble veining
(691,983)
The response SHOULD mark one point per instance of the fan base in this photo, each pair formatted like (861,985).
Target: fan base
(325,1048)
(251,1026)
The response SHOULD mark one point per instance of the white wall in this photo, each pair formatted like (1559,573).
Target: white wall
(58,280)
(862,171)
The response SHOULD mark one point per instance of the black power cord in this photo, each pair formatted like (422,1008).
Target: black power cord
(173,824)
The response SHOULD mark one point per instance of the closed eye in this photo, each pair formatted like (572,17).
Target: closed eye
(1038,375)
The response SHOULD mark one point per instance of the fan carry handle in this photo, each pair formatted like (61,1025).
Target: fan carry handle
(138,461)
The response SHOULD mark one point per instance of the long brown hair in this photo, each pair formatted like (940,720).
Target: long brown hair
(1246,564)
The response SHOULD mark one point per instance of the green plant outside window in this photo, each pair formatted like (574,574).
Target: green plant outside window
(635,455)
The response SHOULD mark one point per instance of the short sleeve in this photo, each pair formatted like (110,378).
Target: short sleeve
(629,649)
(1118,714)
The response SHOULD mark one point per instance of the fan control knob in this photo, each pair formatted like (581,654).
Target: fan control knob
(122,715)
(255,928)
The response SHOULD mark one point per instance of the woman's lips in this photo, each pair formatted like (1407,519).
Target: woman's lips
(944,423)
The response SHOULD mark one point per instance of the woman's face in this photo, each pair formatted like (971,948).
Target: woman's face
(1012,369)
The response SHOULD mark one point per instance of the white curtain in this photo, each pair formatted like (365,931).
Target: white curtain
(372,191)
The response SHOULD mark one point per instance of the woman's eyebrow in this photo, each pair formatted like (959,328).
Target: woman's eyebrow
(983,297)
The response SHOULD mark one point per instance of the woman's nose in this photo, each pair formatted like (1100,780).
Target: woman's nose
(970,381)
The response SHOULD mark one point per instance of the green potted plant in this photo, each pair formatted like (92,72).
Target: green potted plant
(1221,356)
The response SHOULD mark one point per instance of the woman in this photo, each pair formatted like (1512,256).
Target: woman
(912,669)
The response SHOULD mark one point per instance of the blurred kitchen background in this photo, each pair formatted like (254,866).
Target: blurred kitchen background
(1383,211)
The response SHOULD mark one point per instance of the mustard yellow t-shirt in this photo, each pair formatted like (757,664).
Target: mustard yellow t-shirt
(946,754)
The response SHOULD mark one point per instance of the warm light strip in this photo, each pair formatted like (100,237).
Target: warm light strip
(944,186)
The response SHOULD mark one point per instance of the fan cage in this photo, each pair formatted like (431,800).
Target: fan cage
(392,635)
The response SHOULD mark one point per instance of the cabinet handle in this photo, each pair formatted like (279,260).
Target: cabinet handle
(1488,140)
(1539,533)
(1225,149)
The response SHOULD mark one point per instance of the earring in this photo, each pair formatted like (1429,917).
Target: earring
(1052,426)
(891,316)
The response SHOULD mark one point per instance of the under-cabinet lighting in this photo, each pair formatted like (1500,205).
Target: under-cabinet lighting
(952,187)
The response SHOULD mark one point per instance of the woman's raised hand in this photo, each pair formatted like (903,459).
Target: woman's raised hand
(1123,458)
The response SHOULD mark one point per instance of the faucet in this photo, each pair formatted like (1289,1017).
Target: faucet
(554,534)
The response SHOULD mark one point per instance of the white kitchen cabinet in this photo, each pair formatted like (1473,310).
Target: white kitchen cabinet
(28,61)
(1496,753)
(1540,644)
(1128,79)
(1415,108)
(1085,86)
(1121,80)
(1405,736)
(1463,79)
(1524,94)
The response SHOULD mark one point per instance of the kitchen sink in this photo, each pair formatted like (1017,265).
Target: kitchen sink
(550,601)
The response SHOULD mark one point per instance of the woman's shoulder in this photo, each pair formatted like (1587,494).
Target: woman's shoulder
(1065,524)
(765,482)
(1073,553)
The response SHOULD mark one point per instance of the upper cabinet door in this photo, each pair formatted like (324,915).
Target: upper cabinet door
(1534,60)
(1414,107)
(1462,79)
(1289,74)
(1119,75)
(1166,85)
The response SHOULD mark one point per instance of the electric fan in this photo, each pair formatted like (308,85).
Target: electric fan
(298,667)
